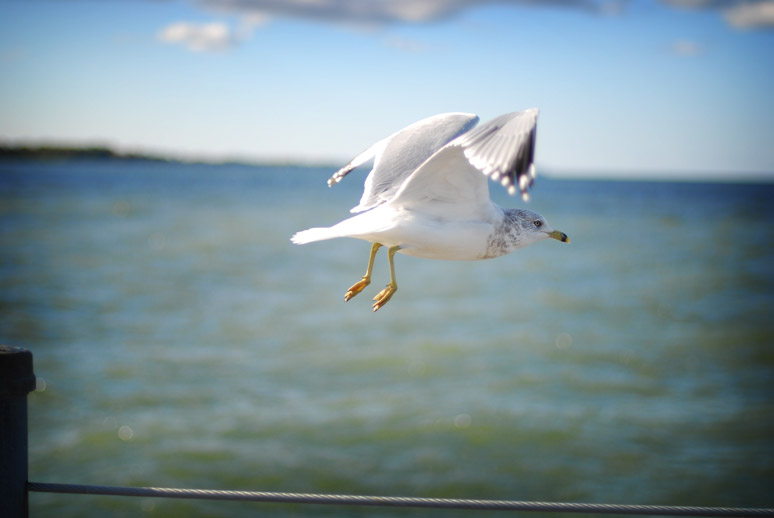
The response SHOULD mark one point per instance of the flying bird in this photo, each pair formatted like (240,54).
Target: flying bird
(427,194)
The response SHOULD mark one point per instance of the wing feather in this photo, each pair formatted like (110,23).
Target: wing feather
(399,155)
(502,149)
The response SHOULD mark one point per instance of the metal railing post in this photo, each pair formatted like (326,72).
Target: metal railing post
(16,381)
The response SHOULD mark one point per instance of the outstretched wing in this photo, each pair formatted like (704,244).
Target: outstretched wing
(398,156)
(502,149)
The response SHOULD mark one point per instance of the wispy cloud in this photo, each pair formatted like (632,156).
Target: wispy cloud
(214,36)
(380,12)
(11,55)
(741,14)
(405,44)
(358,13)
(219,36)
(751,15)
(686,48)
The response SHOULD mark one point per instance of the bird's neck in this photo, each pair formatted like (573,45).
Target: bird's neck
(508,234)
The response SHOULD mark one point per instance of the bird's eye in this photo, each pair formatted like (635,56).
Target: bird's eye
(538,223)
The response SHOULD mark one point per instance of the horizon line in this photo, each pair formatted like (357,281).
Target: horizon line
(62,151)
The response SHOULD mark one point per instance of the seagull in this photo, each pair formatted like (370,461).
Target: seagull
(427,194)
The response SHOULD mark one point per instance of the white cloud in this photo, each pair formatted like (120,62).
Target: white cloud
(751,15)
(363,13)
(369,13)
(11,54)
(741,14)
(379,12)
(404,44)
(686,48)
(214,36)
(693,4)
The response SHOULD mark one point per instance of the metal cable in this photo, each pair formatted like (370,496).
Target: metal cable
(391,501)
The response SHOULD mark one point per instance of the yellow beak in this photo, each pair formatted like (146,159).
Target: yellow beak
(559,236)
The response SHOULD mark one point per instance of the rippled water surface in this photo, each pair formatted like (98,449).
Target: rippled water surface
(181,340)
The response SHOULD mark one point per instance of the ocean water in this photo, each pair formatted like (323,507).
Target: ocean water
(181,340)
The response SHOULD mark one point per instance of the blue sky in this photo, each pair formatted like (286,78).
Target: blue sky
(673,88)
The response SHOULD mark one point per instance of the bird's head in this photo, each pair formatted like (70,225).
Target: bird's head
(535,227)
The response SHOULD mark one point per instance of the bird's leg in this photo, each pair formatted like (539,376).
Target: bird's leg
(366,280)
(383,296)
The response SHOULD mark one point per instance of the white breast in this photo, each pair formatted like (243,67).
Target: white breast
(430,237)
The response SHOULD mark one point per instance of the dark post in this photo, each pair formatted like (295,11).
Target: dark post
(16,381)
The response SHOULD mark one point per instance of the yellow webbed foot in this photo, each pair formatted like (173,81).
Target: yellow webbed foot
(357,288)
(366,280)
(383,296)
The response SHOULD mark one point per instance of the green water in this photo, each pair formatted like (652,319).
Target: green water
(181,340)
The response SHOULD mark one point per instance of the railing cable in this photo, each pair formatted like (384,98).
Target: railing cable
(17,379)
(392,501)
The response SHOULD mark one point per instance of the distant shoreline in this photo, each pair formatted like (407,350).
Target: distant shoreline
(54,152)
(58,153)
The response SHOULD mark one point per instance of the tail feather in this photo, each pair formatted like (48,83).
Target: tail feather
(314,234)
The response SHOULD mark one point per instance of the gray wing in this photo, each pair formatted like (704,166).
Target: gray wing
(400,154)
(504,149)
(451,184)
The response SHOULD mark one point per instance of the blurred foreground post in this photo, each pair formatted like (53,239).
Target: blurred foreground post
(16,381)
